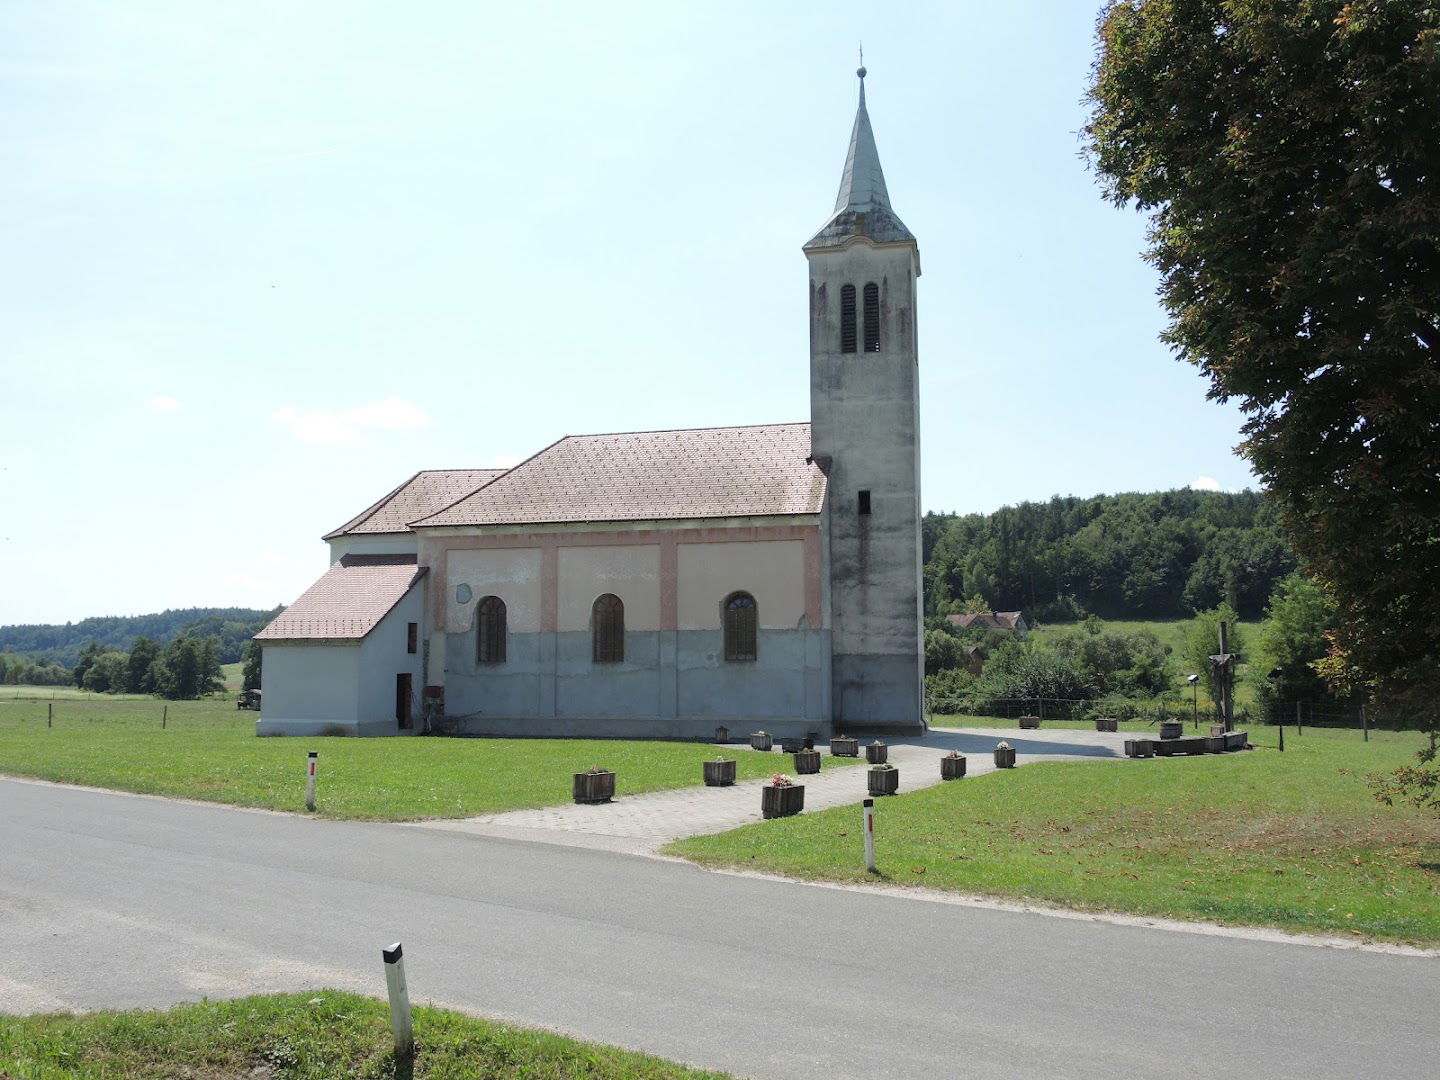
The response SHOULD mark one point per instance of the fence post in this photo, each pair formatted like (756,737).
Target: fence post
(394,958)
(870,835)
(1364,724)
(1299,726)
(50,714)
(310,781)
(164,717)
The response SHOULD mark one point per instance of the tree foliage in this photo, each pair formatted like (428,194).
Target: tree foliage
(1292,640)
(231,628)
(1288,152)
(250,671)
(1162,555)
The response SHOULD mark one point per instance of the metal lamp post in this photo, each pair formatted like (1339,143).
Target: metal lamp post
(1194,681)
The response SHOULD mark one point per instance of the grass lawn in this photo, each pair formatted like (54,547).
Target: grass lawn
(313,1036)
(208,750)
(1294,840)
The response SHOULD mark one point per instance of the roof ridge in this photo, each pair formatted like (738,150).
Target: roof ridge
(369,511)
(670,431)
(482,487)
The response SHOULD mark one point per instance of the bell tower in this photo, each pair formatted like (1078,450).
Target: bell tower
(865,435)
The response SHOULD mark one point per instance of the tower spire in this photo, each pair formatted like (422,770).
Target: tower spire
(862,206)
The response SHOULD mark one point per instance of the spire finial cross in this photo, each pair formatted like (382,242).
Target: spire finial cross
(861,70)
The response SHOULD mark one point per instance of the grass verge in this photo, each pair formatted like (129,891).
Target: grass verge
(208,750)
(313,1036)
(1291,840)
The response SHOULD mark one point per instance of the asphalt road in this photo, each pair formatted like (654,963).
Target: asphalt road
(114,901)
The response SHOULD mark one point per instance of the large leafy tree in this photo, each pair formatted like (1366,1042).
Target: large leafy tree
(1288,152)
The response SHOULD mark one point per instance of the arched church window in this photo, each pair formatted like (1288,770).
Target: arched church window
(490,631)
(847,318)
(872,317)
(741,622)
(607,628)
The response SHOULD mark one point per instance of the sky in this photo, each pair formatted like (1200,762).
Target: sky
(264,261)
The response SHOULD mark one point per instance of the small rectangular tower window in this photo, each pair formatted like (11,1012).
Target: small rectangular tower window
(872,317)
(412,634)
(847,318)
(864,502)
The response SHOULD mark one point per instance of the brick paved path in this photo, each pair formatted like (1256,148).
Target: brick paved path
(642,824)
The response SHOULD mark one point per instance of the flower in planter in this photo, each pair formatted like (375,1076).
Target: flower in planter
(953,754)
(762,734)
(781,780)
(594,769)
(885,767)
(1002,745)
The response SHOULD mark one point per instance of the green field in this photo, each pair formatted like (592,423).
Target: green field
(1294,840)
(208,750)
(308,1036)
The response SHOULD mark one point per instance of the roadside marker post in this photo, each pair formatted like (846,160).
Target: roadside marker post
(870,835)
(310,781)
(164,717)
(50,715)
(394,958)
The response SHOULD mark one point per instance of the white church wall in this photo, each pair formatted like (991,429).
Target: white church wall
(773,572)
(309,687)
(379,544)
(384,655)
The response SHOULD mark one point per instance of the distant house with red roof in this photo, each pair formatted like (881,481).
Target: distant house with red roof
(990,620)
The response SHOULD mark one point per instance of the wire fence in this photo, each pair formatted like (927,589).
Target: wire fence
(1302,714)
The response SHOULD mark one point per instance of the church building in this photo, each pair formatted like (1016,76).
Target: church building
(653,584)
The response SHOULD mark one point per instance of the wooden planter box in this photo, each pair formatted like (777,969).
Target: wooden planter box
(1004,757)
(1217,729)
(952,768)
(877,753)
(761,740)
(1215,744)
(807,761)
(1139,748)
(594,787)
(782,801)
(1236,740)
(882,779)
(844,746)
(719,773)
(792,746)
(1106,723)
(1030,722)
(1171,729)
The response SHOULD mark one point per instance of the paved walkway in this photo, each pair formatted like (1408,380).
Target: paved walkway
(642,824)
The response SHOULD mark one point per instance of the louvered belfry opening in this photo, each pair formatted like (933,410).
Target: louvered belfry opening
(607,620)
(741,624)
(872,317)
(847,318)
(490,631)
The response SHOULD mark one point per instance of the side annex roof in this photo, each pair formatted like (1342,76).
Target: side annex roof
(348,601)
(754,471)
(424,493)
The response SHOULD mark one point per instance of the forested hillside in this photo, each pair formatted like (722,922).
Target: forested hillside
(1163,555)
(231,628)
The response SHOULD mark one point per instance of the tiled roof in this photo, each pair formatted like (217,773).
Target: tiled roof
(651,476)
(993,620)
(348,601)
(424,493)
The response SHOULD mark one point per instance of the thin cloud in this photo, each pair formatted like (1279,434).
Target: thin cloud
(163,403)
(327,426)
(1205,483)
